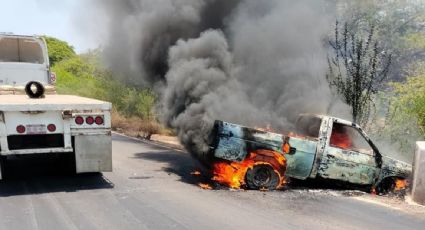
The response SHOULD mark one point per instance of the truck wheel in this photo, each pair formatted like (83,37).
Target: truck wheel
(262,176)
(388,185)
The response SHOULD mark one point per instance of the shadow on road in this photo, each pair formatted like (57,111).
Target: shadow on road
(45,174)
(324,184)
(180,164)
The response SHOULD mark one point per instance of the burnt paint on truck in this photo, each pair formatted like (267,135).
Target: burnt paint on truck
(235,142)
(313,157)
(351,166)
(300,163)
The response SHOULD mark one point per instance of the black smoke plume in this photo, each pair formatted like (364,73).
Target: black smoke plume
(252,62)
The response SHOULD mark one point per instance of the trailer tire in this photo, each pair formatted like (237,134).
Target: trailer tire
(262,176)
(39,92)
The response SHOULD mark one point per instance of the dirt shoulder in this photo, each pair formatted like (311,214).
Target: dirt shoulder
(171,141)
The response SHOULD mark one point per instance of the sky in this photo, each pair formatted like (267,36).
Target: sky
(44,17)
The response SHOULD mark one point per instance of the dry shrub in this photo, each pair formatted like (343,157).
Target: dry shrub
(136,126)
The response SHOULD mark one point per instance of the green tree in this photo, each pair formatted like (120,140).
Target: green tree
(58,50)
(409,100)
(356,69)
(405,121)
(84,75)
(398,27)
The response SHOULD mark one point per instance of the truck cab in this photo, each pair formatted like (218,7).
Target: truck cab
(23,59)
(333,148)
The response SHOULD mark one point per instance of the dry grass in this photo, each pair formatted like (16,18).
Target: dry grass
(137,127)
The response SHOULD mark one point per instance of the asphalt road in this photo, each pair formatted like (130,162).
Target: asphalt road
(152,188)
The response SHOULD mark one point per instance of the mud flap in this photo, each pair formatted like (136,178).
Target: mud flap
(93,153)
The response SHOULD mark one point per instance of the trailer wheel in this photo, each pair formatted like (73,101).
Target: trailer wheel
(262,176)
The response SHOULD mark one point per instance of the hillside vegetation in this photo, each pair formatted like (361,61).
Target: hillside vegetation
(83,75)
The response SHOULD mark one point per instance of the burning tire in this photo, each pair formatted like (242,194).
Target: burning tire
(262,176)
(392,185)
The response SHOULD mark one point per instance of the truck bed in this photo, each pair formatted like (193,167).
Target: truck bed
(51,102)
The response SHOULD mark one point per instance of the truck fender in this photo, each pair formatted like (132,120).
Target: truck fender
(268,170)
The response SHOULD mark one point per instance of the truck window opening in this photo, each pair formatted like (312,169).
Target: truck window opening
(340,137)
(349,138)
(21,50)
(308,126)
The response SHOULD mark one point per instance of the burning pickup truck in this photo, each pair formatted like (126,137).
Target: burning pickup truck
(324,147)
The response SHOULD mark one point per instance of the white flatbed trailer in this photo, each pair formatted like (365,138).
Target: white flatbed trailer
(81,126)
(59,124)
(50,102)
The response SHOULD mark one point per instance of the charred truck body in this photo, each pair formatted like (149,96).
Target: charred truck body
(324,147)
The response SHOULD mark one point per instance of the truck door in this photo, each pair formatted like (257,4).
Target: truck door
(300,163)
(348,156)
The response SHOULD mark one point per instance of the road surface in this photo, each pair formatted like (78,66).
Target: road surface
(152,188)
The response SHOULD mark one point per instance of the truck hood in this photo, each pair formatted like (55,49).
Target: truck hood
(396,167)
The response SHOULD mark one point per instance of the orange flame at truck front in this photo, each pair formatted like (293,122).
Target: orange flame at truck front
(232,174)
(400,184)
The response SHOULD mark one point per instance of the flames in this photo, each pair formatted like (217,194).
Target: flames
(268,128)
(232,174)
(341,140)
(205,186)
(340,137)
(400,184)
(292,134)
(196,173)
